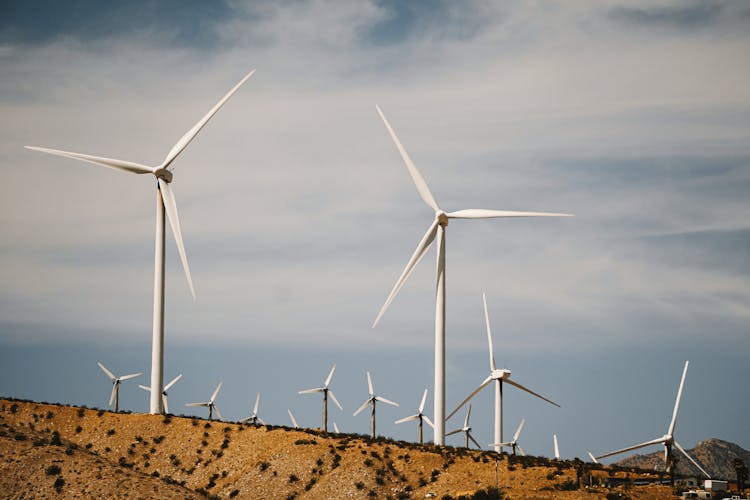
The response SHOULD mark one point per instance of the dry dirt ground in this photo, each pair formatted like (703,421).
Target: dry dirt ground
(51,451)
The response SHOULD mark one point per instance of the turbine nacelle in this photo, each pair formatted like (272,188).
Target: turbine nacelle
(164,175)
(501,374)
(441,218)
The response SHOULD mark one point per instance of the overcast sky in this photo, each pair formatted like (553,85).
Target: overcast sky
(298,214)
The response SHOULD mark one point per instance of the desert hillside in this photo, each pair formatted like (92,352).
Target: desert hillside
(62,451)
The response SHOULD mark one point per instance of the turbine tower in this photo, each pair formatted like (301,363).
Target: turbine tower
(436,230)
(210,404)
(419,416)
(254,418)
(326,392)
(115,395)
(514,442)
(667,439)
(466,429)
(165,202)
(164,392)
(499,376)
(373,399)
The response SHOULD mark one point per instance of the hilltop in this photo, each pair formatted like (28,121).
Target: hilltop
(56,450)
(714,455)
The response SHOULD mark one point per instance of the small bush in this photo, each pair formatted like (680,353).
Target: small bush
(111,432)
(263,466)
(293,478)
(53,470)
(13,408)
(234,493)
(368,462)
(59,483)
(81,412)
(359,485)
(79,429)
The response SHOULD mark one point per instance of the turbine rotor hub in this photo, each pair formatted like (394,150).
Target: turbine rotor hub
(442,218)
(164,175)
(501,374)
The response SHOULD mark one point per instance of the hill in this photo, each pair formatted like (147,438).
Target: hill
(55,450)
(714,455)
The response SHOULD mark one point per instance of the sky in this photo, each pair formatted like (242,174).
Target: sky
(298,214)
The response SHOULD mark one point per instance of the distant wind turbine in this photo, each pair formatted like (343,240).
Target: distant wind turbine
(437,229)
(165,201)
(326,392)
(115,395)
(210,404)
(667,440)
(420,416)
(164,392)
(291,417)
(372,401)
(254,418)
(466,429)
(499,376)
(514,442)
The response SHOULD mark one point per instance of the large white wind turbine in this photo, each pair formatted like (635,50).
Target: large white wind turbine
(514,442)
(210,404)
(419,416)
(466,429)
(115,396)
(254,418)
(499,376)
(372,400)
(164,392)
(165,201)
(326,392)
(437,230)
(667,439)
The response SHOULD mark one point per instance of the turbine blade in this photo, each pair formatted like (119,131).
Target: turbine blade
(216,409)
(473,440)
(691,459)
(107,372)
(468,415)
(369,384)
(489,332)
(453,432)
(174,221)
(672,424)
(593,458)
(126,166)
(481,386)
(164,403)
(311,391)
(407,419)
(364,405)
(557,450)
(518,431)
(112,395)
(294,420)
(630,448)
(144,388)
(336,428)
(419,181)
(197,404)
(330,375)
(386,401)
(333,397)
(521,450)
(260,420)
(422,247)
(190,134)
(132,375)
(173,382)
(424,399)
(516,384)
(255,407)
(216,391)
(429,422)
(480,213)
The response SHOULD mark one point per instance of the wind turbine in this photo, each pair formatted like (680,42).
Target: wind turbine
(326,392)
(466,429)
(514,442)
(291,417)
(115,396)
(254,418)
(557,450)
(165,202)
(667,439)
(210,404)
(419,416)
(372,401)
(499,376)
(164,392)
(437,230)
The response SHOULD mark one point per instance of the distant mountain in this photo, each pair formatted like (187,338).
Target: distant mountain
(714,455)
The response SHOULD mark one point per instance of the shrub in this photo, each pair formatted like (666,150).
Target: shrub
(53,470)
(50,415)
(59,483)
(368,462)
(263,466)
(234,493)
(359,485)
(13,408)
(81,412)
(111,432)
(79,429)
(293,478)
